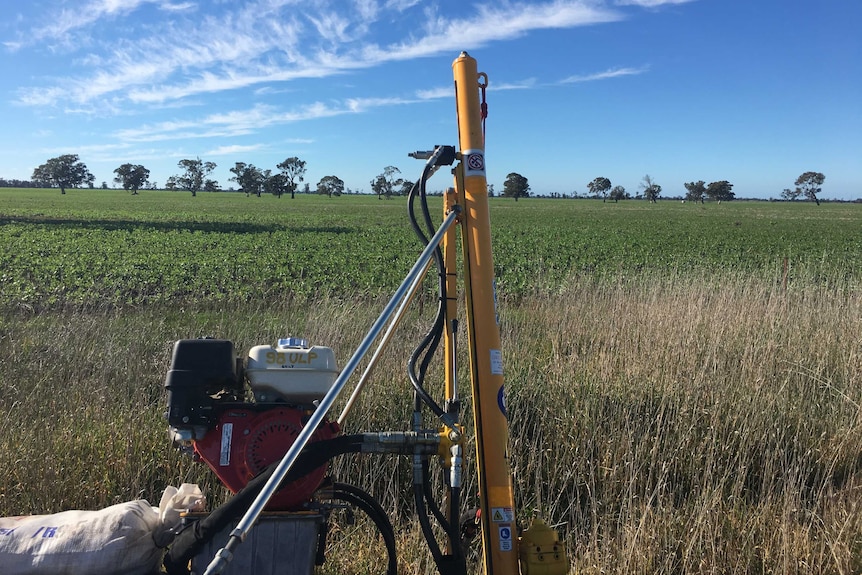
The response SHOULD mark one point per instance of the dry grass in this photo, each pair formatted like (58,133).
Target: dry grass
(687,426)
(667,425)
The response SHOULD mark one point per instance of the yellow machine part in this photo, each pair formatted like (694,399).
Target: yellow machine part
(540,551)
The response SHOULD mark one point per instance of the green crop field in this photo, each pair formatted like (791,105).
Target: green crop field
(683,380)
(105,247)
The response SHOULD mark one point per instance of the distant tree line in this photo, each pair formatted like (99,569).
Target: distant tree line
(68,171)
(15,183)
(808,185)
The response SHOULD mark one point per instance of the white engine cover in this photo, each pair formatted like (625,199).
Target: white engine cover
(295,374)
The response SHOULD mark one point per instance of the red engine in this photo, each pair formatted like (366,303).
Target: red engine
(245,442)
(237,439)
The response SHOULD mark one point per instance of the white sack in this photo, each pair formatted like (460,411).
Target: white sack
(124,539)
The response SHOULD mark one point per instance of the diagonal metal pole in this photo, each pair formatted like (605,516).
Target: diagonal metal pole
(238,535)
(381,346)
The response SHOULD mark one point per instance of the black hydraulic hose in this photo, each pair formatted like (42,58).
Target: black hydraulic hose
(431,341)
(454,529)
(192,539)
(423,239)
(429,345)
(451,527)
(359,498)
(429,224)
(425,524)
(429,498)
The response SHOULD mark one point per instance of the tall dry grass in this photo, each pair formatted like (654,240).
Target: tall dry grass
(664,425)
(692,425)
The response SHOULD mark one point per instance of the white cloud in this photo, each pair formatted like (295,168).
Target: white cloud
(234,123)
(357,105)
(231,150)
(435,93)
(68,20)
(612,73)
(522,85)
(401,5)
(244,122)
(258,43)
(89,150)
(178,7)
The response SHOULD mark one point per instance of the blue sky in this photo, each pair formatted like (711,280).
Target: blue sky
(751,91)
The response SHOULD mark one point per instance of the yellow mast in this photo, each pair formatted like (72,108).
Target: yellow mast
(499,531)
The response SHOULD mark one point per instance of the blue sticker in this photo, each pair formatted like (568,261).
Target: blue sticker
(501,402)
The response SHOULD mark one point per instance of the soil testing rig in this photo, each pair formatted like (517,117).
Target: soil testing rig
(263,423)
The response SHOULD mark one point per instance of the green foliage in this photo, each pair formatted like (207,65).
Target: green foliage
(720,190)
(808,185)
(619,193)
(516,186)
(293,172)
(695,191)
(385,184)
(330,186)
(788,194)
(131,176)
(194,176)
(599,186)
(66,171)
(249,178)
(651,190)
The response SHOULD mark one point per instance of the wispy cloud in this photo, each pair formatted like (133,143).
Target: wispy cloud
(274,41)
(235,123)
(522,85)
(177,7)
(69,20)
(232,150)
(612,73)
(89,149)
(650,3)
(435,93)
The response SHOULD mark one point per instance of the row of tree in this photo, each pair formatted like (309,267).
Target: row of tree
(808,185)
(68,171)
(601,188)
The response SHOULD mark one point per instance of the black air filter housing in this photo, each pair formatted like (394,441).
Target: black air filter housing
(203,374)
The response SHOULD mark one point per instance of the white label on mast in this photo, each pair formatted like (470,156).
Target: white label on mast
(474,162)
(496,362)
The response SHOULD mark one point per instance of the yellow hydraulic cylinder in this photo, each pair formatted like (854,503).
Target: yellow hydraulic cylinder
(499,530)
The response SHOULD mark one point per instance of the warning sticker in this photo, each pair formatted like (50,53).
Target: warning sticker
(496,362)
(226,438)
(502,515)
(505,537)
(474,163)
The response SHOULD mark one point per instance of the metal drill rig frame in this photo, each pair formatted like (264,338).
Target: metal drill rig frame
(503,551)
